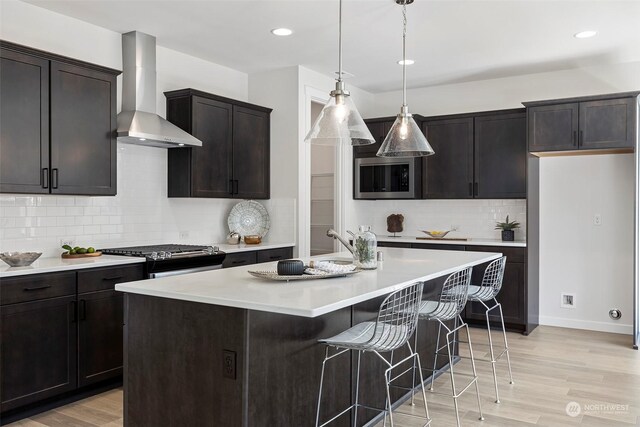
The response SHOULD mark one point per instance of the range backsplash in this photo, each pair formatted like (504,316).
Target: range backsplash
(473,218)
(141,213)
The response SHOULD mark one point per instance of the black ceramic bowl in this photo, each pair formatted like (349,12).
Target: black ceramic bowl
(290,267)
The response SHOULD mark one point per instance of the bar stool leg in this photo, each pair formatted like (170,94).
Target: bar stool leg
(424,395)
(355,412)
(475,374)
(387,376)
(435,357)
(506,346)
(324,362)
(493,357)
(413,383)
(453,380)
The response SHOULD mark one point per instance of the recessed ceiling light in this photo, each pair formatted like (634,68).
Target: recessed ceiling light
(281,32)
(181,144)
(143,139)
(406,62)
(585,34)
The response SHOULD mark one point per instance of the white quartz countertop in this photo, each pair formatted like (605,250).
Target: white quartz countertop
(469,242)
(243,247)
(235,287)
(54,264)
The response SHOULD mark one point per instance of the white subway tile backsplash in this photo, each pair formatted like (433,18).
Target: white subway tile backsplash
(141,213)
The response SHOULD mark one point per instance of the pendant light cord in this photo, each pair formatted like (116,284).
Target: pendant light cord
(404,54)
(340,42)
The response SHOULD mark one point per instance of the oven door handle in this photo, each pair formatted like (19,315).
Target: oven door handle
(184,271)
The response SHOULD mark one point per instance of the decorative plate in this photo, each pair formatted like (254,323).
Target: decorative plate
(273,275)
(249,217)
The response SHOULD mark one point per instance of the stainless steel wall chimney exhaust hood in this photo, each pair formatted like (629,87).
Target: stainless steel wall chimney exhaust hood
(138,123)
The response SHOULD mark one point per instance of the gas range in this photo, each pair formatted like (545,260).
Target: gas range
(172,259)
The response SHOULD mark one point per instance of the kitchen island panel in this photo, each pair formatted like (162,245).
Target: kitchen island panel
(174,370)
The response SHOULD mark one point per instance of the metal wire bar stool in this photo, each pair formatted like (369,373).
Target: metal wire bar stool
(487,291)
(453,299)
(396,322)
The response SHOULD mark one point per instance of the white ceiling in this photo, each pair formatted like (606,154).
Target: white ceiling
(451,41)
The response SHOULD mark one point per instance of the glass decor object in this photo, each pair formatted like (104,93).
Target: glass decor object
(339,121)
(365,246)
(405,139)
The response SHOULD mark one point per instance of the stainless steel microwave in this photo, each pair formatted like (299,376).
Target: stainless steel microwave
(387,178)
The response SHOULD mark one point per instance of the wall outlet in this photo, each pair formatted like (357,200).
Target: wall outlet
(183,235)
(67,241)
(229,364)
(597,219)
(567,300)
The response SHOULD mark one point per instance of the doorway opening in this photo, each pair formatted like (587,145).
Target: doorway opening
(322,201)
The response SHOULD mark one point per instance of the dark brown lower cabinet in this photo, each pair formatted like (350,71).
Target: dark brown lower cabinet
(54,340)
(38,350)
(252,257)
(100,319)
(519,300)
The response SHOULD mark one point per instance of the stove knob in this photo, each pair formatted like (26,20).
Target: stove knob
(216,249)
(210,250)
(153,255)
(162,255)
(168,255)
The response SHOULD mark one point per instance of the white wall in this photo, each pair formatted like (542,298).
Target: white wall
(576,256)
(141,212)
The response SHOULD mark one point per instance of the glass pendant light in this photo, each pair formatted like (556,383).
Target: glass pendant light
(339,121)
(405,139)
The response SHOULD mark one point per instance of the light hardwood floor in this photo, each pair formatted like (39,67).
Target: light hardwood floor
(551,367)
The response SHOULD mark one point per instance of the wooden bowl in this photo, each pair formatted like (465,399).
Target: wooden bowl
(252,239)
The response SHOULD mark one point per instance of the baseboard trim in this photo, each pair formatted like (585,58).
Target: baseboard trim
(586,324)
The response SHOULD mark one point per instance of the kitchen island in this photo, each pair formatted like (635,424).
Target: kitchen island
(222,348)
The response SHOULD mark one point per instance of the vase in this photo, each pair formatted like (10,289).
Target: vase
(508,235)
(365,246)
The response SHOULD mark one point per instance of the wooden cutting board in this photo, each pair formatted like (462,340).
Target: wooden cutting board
(95,254)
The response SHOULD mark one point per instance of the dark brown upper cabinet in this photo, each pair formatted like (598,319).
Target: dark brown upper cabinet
(233,161)
(24,123)
(57,124)
(500,167)
(448,174)
(585,123)
(477,155)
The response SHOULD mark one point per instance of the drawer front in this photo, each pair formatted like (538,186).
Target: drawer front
(101,279)
(512,254)
(393,245)
(239,258)
(438,246)
(275,254)
(36,287)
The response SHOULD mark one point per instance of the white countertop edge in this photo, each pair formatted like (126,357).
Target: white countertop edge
(470,242)
(58,264)
(243,247)
(298,312)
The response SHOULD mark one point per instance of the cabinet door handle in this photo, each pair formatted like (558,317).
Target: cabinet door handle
(235,186)
(581,139)
(38,288)
(475,188)
(45,177)
(242,261)
(575,138)
(74,311)
(83,310)
(471,189)
(275,257)
(112,278)
(230,186)
(54,178)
